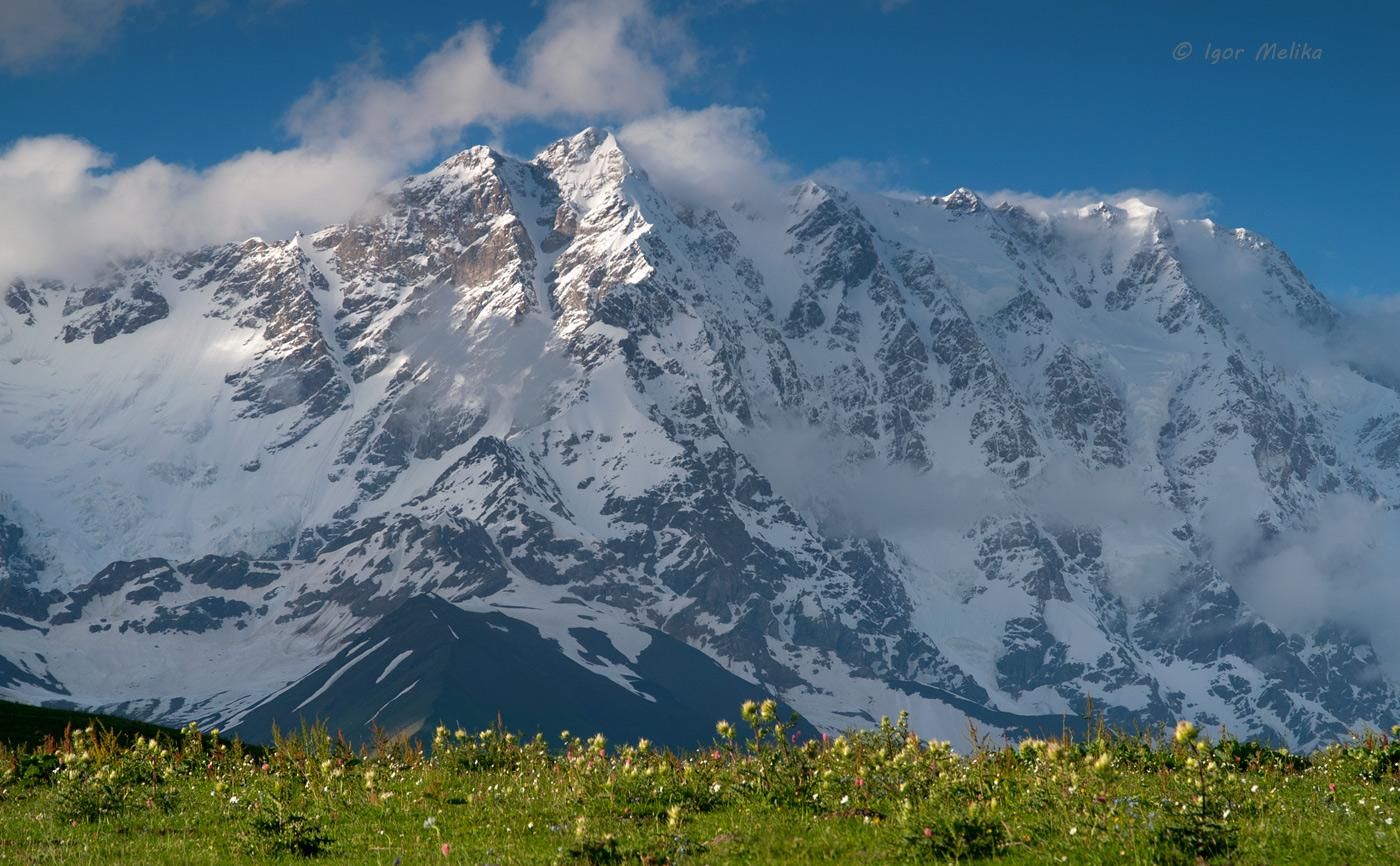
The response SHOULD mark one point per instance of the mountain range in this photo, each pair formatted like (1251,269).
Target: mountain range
(533,440)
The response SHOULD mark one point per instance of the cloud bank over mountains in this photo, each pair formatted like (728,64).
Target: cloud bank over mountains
(615,62)
(605,60)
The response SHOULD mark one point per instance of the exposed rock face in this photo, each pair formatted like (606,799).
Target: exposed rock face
(927,453)
(120,304)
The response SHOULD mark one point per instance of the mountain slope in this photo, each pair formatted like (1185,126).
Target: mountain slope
(437,663)
(930,453)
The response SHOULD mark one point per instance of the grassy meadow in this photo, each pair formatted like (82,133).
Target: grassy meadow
(106,795)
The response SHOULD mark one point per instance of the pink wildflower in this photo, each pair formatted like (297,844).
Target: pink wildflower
(446,849)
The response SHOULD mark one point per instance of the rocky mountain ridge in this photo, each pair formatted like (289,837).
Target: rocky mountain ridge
(926,453)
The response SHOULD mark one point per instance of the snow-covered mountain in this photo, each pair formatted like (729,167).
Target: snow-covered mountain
(865,452)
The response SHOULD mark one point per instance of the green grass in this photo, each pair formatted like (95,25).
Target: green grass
(756,797)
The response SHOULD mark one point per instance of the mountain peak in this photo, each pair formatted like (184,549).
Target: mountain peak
(587,165)
(591,143)
(961,200)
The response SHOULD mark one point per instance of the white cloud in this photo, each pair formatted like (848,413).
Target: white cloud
(457,85)
(716,156)
(35,31)
(1365,338)
(860,174)
(1340,566)
(64,214)
(65,209)
(1175,205)
(602,58)
(594,59)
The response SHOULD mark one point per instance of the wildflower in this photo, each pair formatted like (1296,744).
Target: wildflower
(768,710)
(643,745)
(429,823)
(928,832)
(673,816)
(446,849)
(1074,831)
(1030,748)
(725,730)
(749,711)
(233,801)
(1102,762)
(1185,732)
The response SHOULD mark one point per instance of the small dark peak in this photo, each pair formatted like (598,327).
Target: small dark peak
(810,189)
(962,201)
(1022,221)
(23,298)
(1103,212)
(1162,225)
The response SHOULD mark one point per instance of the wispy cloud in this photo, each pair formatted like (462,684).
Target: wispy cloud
(715,156)
(1338,566)
(34,32)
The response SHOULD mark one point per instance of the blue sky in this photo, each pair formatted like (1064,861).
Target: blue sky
(1033,97)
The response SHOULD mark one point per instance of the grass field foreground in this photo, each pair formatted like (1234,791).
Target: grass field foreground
(757,796)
